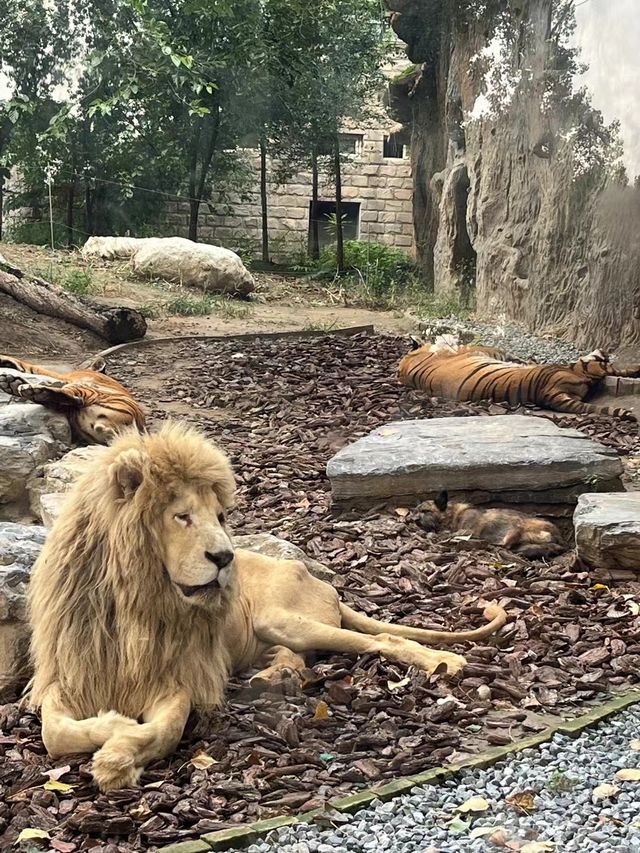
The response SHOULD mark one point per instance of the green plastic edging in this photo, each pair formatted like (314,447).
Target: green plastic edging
(345,332)
(246,834)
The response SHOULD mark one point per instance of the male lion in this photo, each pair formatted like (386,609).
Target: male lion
(140,607)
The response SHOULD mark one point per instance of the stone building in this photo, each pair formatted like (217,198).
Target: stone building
(377,194)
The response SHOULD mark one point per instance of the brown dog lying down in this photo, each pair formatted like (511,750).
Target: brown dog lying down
(140,607)
(531,537)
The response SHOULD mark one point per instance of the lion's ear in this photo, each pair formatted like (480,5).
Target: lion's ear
(127,472)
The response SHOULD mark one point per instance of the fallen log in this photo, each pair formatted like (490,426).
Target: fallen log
(116,325)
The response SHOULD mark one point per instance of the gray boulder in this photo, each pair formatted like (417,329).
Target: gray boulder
(19,547)
(30,435)
(273,546)
(515,459)
(607,528)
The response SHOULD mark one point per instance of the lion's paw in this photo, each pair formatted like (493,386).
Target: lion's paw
(114,768)
(451,663)
(109,723)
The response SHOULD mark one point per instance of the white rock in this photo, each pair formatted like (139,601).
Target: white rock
(210,268)
(607,530)
(111,248)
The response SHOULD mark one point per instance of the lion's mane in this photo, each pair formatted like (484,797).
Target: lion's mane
(107,624)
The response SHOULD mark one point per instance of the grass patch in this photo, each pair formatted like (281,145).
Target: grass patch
(200,306)
(327,327)
(560,783)
(76,281)
(409,295)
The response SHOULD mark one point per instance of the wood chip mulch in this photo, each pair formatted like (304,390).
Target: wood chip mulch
(280,409)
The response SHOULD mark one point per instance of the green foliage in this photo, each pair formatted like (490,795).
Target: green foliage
(75,281)
(378,264)
(191,306)
(36,232)
(78,282)
(560,783)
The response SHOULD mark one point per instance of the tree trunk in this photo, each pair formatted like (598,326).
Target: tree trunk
(71,192)
(339,233)
(115,325)
(88,210)
(194,210)
(264,212)
(198,181)
(1,200)
(314,234)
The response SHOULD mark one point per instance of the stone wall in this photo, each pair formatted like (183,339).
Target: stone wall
(382,186)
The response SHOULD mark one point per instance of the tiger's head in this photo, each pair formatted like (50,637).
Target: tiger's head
(594,364)
(99,422)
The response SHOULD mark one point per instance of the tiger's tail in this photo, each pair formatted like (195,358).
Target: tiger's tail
(565,403)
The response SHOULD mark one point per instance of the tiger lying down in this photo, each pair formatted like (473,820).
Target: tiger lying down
(534,538)
(140,607)
(96,406)
(475,373)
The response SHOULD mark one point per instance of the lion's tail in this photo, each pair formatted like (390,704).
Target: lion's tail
(366,625)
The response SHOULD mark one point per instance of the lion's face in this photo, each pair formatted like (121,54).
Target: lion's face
(198,553)
(100,424)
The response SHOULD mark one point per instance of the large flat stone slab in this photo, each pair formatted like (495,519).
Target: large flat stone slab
(511,459)
(607,530)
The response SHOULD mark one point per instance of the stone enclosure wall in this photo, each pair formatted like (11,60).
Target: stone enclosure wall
(380,186)
(515,195)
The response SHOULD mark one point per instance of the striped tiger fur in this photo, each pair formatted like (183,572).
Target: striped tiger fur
(96,405)
(474,373)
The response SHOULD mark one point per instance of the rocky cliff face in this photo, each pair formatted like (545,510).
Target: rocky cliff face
(517,187)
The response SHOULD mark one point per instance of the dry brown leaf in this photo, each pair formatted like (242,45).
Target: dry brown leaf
(538,847)
(322,711)
(63,846)
(57,772)
(396,685)
(499,838)
(402,511)
(605,791)
(29,833)
(202,761)
(474,804)
(524,801)
(628,774)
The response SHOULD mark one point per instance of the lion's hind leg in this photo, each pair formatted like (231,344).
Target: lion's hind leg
(123,757)
(62,734)
(283,663)
(301,634)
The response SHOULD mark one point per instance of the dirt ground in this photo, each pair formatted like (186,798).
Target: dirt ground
(279,305)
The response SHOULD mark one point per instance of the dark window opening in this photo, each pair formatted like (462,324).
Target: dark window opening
(392,148)
(321,214)
(349,143)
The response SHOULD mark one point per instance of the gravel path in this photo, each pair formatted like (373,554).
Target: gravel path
(561,778)
(510,337)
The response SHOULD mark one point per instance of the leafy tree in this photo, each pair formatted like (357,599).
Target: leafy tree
(329,58)
(35,40)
